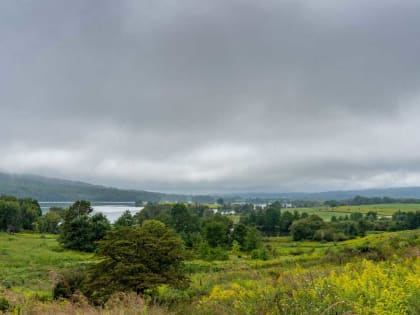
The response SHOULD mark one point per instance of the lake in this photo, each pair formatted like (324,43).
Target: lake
(112,210)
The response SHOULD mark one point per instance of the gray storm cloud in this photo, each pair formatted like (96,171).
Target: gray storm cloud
(212,96)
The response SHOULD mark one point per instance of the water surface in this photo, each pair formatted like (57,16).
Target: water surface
(112,210)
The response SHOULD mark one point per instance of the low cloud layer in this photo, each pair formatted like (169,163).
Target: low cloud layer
(212,96)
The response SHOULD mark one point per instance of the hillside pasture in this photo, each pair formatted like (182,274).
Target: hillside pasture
(382,209)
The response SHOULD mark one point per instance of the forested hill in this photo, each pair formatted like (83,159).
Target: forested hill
(51,189)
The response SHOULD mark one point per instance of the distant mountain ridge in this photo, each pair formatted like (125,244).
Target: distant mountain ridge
(53,189)
(394,192)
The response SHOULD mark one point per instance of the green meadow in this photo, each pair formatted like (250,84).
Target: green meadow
(382,209)
(29,261)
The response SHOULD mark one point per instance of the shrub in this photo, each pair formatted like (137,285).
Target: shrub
(69,282)
(4,305)
(212,253)
(260,253)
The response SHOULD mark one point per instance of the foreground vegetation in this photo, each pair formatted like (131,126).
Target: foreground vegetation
(188,259)
(376,274)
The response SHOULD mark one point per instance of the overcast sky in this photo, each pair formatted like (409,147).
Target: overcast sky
(212,96)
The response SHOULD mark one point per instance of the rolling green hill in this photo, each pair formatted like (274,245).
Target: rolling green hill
(52,189)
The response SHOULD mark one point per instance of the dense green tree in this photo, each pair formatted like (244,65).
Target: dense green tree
(29,212)
(9,214)
(216,234)
(286,220)
(57,210)
(126,219)
(372,216)
(18,214)
(306,228)
(201,210)
(222,227)
(356,216)
(405,220)
(154,211)
(180,217)
(185,223)
(80,229)
(239,234)
(253,239)
(271,220)
(48,223)
(350,228)
(100,226)
(137,259)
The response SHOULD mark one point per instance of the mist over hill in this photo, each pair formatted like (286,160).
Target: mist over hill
(52,189)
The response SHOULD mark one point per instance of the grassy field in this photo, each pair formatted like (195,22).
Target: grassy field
(382,209)
(27,261)
(376,274)
(284,255)
(316,278)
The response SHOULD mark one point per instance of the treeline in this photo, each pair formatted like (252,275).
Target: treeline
(360,200)
(275,221)
(207,233)
(18,214)
(272,220)
(349,226)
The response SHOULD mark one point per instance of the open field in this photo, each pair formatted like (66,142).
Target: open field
(28,260)
(296,278)
(382,209)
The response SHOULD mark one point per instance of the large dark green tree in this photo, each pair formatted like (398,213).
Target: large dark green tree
(137,259)
(80,229)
